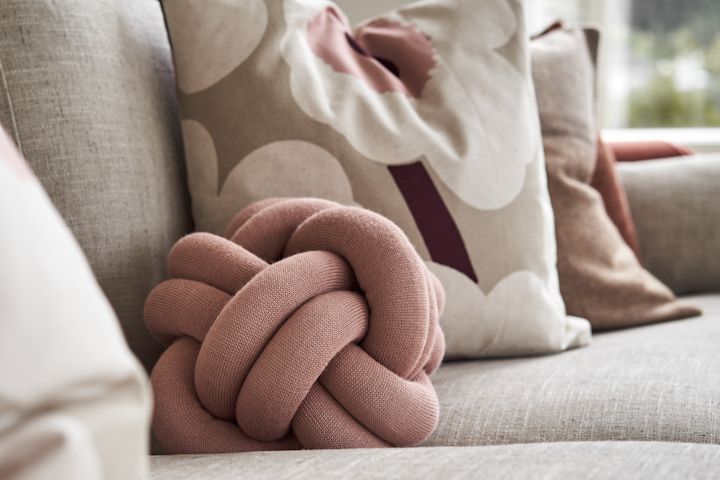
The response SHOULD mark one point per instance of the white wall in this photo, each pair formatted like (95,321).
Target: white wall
(359,10)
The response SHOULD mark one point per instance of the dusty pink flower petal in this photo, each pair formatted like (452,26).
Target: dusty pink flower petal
(387,56)
(409,50)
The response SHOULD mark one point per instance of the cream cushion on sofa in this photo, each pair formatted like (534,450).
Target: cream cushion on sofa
(426,114)
(73,400)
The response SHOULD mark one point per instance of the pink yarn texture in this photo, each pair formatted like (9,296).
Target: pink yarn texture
(310,325)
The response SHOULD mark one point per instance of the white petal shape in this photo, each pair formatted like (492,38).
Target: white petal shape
(518,317)
(290,168)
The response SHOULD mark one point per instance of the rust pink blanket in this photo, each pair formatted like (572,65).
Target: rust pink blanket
(310,325)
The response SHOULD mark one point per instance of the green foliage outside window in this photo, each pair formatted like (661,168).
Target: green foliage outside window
(675,49)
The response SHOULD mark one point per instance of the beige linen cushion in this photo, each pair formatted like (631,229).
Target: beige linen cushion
(73,399)
(87,93)
(676,206)
(426,115)
(600,277)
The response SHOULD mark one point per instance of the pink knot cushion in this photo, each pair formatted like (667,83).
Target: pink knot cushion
(310,325)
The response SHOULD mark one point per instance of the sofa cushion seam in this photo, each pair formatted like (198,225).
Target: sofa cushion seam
(11,107)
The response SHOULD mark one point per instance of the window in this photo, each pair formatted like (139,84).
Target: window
(660,59)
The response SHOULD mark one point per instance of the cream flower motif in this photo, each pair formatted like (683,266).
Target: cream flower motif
(474,121)
(502,326)
(278,169)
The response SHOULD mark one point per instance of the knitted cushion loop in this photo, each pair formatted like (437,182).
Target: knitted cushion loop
(308,325)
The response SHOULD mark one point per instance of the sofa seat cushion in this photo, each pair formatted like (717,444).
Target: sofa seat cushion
(659,382)
(586,460)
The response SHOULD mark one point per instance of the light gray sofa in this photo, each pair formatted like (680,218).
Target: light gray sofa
(87,92)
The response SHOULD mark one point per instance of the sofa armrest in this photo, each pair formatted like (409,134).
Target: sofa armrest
(675,204)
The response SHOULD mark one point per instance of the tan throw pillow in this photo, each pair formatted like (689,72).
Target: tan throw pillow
(426,115)
(73,400)
(600,277)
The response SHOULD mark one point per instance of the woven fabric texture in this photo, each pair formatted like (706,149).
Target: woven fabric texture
(311,325)
(545,461)
(87,94)
(658,382)
(676,206)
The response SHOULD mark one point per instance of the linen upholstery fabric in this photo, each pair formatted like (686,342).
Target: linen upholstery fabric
(425,115)
(86,91)
(606,181)
(73,400)
(657,382)
(310,325)
(676,204)
(579,460)
(600,277)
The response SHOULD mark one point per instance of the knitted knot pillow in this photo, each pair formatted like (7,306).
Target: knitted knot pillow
(311,325)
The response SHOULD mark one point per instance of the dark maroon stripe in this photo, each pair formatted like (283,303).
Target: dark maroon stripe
(432,217)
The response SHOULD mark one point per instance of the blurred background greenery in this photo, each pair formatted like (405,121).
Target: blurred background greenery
(674,63)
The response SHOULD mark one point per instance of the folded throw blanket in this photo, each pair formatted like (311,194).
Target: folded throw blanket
(310,325)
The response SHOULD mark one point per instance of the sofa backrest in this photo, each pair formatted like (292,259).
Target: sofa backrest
(87,93)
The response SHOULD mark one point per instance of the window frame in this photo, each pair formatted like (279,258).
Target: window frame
(698,139)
